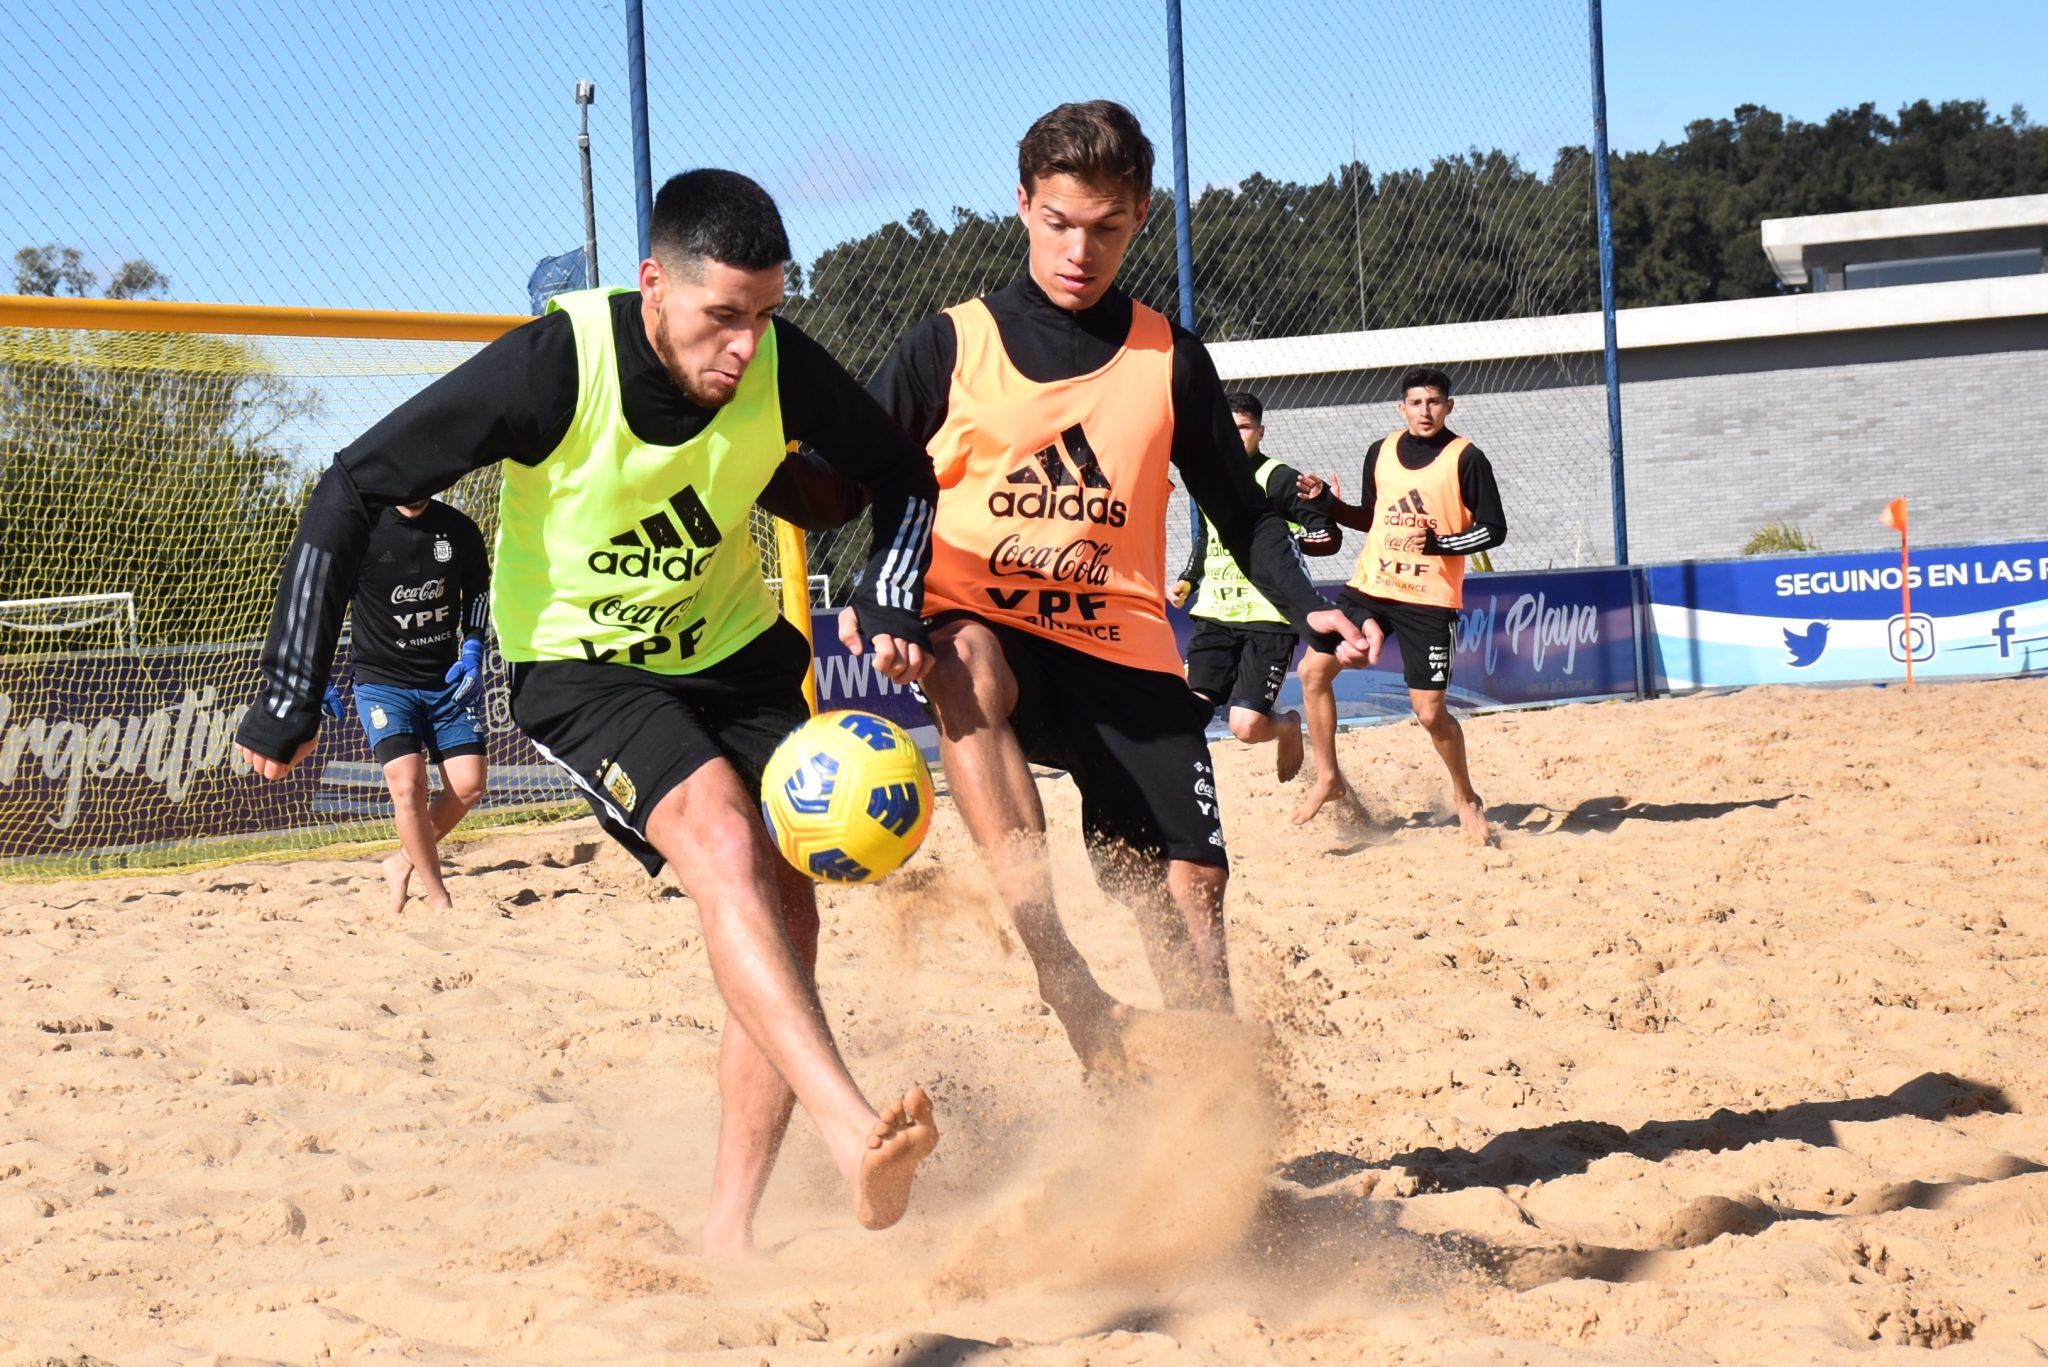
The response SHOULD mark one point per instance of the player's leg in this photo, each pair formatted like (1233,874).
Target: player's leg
(708,827)
(406,777)
(459,742)
(754,1102)
(395,727)
(458,746)
(1318,674)
(1449,738)
(974,689)
(462,787)
(1151,817)
(662,786)
(1261,672)
(1428,643)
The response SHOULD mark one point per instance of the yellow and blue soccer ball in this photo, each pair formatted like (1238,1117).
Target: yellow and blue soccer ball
(847,797)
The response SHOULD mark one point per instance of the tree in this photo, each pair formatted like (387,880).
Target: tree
(1472,237)
(144,462)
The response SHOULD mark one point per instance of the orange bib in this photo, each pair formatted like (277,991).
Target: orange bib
(1052,497)
(1411,502)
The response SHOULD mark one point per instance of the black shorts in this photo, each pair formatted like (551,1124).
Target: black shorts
(628,736)
(1239,665)
(1428,636)
(1132,739)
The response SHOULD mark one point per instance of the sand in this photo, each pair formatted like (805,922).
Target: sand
(1731,1051)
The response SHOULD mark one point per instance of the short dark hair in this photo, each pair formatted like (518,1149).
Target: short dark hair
(1425,377)
(721,215)
(1245,402)
(1092,141)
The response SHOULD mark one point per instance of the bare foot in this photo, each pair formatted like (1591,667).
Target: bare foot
(398,873)
(904,1137)
(721,1242)
(1289,746)
(1472,820)
(1095,1026)
(1327,788)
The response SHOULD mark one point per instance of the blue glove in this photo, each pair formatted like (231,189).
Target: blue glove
(330,701)
(469,668)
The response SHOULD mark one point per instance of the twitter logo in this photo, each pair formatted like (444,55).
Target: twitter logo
(1806,646)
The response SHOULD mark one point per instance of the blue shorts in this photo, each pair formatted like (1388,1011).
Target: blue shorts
(404,721)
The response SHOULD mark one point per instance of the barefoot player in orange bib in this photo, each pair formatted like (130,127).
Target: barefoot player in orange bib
(1053,410)
(1429,501)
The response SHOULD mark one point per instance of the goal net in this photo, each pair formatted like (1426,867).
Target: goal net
(151,480)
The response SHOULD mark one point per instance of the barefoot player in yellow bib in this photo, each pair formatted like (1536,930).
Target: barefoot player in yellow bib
(1429,501)
(634,433)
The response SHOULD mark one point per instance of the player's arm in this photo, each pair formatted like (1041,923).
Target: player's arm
(1358,516)
(1319,534)
(1481,494)
(827,410)
(1210,457)
(1190,577)
(514,399)
(476,586)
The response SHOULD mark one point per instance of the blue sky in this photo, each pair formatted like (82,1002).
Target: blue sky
(380,153)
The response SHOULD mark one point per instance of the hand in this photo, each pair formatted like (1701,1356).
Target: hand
(896,660)
(1309,486)
(1357,647)
(273,769)
(1178,594)
(331,703)
(468,669)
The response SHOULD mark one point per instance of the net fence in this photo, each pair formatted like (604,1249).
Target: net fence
(150,483)
(1360,200)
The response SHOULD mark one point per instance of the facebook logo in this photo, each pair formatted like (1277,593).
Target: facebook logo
(2003,634)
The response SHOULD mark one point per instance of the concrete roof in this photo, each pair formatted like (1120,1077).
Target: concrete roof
(1789,315)
(1786,239)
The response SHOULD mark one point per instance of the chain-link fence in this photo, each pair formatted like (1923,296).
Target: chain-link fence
(1364,197)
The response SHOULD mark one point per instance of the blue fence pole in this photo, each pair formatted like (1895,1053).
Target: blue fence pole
(643,166)
(1183,229)
(1183,222)
(1604,200)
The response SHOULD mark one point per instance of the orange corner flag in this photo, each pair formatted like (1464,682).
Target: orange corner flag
(1895,515)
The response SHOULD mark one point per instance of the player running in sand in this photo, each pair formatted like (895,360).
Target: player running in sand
(1053,409)
(1429,500)
(636,432)
(1243,646)
(416,654)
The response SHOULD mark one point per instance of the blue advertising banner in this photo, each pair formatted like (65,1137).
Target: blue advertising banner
(120,749)
(1977,611)
(846,680)
(1522,638)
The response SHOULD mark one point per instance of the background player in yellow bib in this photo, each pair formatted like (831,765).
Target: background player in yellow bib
(1053,410)
(1429,500)
(636,431)
(1243,646)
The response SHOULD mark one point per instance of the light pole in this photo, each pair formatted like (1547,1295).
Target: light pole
(586,93)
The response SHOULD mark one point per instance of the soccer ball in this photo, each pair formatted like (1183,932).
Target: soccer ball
(847,797)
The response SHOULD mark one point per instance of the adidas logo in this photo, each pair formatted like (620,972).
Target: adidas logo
(1408,511)
(666,552)
(1045,487)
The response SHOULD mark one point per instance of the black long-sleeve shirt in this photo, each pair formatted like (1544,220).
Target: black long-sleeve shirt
(515,400)
(1476,486)
(423,589)
(1319,534)
(1048,343)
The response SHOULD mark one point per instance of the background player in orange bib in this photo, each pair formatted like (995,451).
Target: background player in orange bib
(1053,410)
(1429,501)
